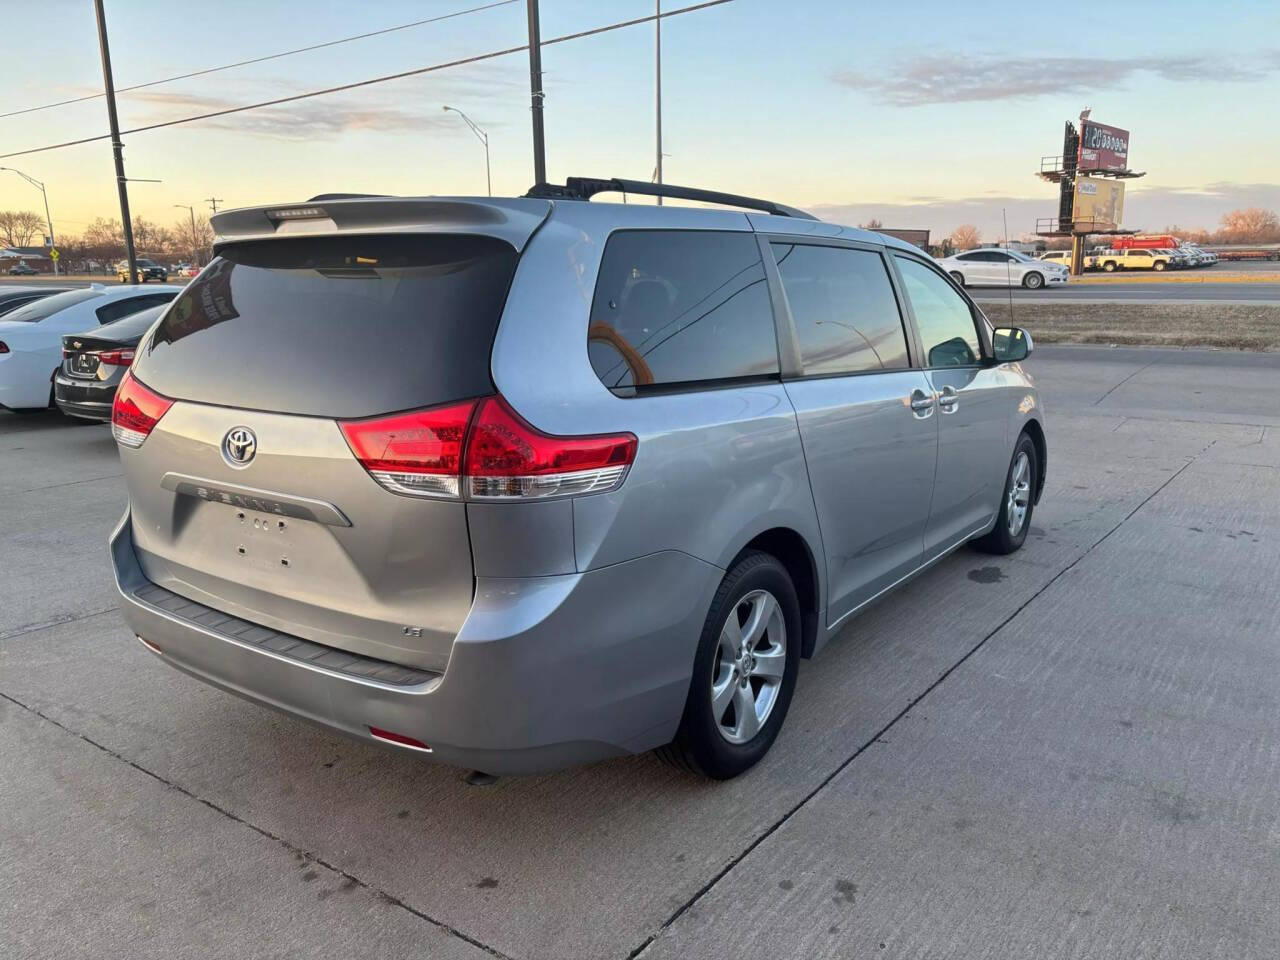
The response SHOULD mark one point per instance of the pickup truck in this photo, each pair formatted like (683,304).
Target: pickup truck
(1135,259)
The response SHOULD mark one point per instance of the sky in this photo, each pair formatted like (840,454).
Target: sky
(919,114)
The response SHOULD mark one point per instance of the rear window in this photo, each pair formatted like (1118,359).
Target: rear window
(131,327)
(48,306)
(680,309)
(344,326)
(124,306)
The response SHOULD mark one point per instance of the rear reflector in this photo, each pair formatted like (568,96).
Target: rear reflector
(485,450)
(135,411)
(399,739)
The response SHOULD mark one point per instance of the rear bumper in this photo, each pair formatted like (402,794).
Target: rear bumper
(90,399)
(545,673)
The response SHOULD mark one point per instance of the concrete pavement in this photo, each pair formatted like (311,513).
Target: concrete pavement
(1071,752)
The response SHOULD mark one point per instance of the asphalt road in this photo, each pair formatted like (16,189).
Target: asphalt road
(1155,292)
(1070,752)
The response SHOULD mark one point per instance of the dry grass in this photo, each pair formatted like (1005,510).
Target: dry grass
(1225,326)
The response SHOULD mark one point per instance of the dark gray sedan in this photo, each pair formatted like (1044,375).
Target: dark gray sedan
(93,364)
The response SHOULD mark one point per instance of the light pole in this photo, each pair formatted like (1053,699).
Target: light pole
(484,138)
(195,254)
(36,183)
(657,89)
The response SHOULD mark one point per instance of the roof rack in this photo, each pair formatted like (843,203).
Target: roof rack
(584,188)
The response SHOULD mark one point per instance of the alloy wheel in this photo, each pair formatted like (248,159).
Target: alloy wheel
(1018,496)
(750,662)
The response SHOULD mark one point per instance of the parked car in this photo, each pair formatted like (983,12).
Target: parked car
(31,336)
(1002,268)
(23,269)
(1177,259)
(1133,259)
(11,298)
(531,527)
(188,270)
(1063,257)
(147,270)
(94,363)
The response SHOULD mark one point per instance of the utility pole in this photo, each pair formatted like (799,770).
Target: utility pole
(535,93)
(657,87)
(213,202)
(116,146)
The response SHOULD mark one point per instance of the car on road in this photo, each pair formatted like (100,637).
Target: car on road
(13,297)
(992,267)
(94,363)
(520,483)
(31,336)
(1134,259)
(23,269)
(147,270)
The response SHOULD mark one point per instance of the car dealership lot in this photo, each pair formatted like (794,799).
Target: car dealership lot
(1073,751)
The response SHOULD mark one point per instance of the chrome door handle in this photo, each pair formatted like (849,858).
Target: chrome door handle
(921,404)
(948,399)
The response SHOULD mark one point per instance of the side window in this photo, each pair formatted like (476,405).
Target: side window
(969,256)
(680,307)
(947,331)
(127,305)
(842,302)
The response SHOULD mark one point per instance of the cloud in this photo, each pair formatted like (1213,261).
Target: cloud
(956,78)
(1145,208)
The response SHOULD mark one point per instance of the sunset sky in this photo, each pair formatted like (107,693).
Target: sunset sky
(920,114)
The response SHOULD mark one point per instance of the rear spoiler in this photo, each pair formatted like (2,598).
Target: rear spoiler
(511,219)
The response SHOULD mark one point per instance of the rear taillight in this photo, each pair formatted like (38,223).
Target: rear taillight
(483,449)
(508,459)
(116,358)
(135,411)
(418,454)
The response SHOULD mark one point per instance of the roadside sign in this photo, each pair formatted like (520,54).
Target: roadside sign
(54,255)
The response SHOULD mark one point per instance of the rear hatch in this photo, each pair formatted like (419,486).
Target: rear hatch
(246,496)
(104,352)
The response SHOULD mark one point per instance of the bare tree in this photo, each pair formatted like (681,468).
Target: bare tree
(20,227)
(104,241)
(1250,225)
(965,237)
(872,224)
(195,241)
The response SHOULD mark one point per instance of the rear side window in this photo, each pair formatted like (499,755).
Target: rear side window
(948,335)
(680,308)
(48,306)
(117,309)
(844,310)
(335,326)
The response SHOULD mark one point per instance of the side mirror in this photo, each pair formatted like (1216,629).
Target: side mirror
(1011,344)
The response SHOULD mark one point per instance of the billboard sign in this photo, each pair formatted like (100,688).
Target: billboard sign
(1103,147)
(1099,204)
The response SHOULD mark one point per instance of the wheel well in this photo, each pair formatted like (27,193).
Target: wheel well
(792,550)
(1036,433)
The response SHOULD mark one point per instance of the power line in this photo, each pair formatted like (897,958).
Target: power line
(365,83)
(272,56)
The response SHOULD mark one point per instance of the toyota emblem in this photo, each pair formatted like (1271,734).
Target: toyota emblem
(239,446)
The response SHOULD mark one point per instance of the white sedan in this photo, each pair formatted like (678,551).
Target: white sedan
(31,336)
(1003,268)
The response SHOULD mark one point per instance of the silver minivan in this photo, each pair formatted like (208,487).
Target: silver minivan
(524,483)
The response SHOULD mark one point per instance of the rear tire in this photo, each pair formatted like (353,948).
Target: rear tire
(714,740)
(958,277)
(1016,501)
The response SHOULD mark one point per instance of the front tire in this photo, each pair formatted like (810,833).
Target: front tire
(1033,280)
(1109,267)
(1016,503)
(1159,265)
(744,672)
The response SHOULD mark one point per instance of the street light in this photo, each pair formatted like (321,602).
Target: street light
(484,138)
(36,183)
(195,254)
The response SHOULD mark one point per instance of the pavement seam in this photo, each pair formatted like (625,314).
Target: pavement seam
(57,621)
(69,483)
(876,737)
(1151,363)
(293,848)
